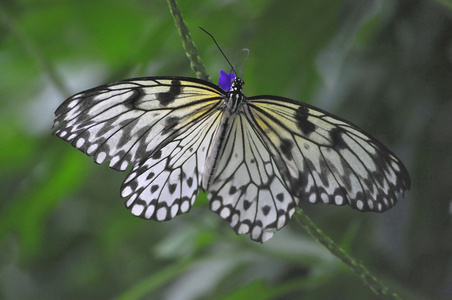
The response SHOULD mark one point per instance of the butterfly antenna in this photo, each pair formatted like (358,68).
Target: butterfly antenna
(246,61)
(218,46)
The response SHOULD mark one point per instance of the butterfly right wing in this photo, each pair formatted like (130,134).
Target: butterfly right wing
(325,159)
(248,190)
(161,125)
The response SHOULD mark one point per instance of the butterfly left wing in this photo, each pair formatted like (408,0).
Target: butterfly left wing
(324,159)
(161,125)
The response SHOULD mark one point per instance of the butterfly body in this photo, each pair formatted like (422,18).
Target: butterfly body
(233,102)
(257,157)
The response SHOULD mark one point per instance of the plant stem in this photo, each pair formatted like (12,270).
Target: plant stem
(189,46)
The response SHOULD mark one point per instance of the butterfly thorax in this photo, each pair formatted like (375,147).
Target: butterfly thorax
(235,97)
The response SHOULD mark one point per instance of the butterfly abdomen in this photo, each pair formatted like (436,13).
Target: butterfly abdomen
(217,149)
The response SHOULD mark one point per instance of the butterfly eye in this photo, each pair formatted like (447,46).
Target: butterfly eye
(225,80)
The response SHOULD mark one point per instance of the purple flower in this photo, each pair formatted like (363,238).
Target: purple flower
(225,80)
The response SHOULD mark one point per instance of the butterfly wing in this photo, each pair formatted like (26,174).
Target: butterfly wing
(279,152)
(324,159)
(161,125)
(248,190)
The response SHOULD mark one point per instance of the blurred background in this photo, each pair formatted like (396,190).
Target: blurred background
(64,232)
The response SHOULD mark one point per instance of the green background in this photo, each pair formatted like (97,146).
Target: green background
(64,232)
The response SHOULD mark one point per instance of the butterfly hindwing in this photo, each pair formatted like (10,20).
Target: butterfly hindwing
(247,189)
(167,183)
(326,159)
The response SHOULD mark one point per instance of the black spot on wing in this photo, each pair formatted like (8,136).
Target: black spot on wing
(266,210)
(337,139)
(154,188)
(172,188)
(137,94)
(246,204)
(171,122)
(189,181)
(306,126)
(150,176)
(167,98)
(157,154)
(232,190)
(286,148)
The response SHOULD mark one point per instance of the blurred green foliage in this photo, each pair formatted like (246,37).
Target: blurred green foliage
(385,65)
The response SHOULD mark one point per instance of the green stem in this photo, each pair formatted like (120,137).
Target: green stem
(359,269)
(189,46)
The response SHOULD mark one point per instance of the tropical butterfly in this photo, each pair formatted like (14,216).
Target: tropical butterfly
(257,157)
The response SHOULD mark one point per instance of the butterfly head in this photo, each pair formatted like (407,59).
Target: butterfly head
(236,85)
(233,86)
(229,82)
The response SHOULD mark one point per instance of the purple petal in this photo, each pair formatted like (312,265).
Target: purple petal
(225,80)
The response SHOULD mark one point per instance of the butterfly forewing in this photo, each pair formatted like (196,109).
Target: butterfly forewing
(126,122)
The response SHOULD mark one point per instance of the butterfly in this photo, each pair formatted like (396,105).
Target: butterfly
(257,157)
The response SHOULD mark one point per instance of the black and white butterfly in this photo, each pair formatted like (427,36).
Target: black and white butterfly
(257,157)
